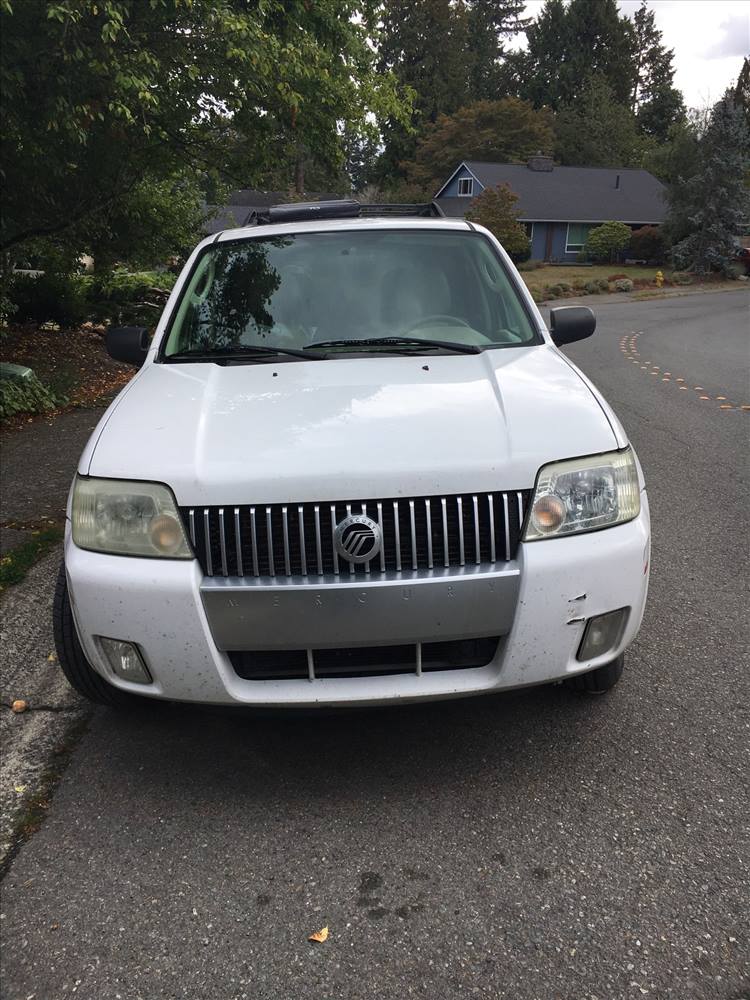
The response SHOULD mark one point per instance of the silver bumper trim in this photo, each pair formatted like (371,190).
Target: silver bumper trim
(404,607)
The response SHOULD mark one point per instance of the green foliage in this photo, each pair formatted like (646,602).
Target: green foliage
(605,242)
(495,208)
(595,130)
(681,278)
(26,395)
(102,98)
(715,201)
(48,297)
(648,243)
(603,284)
(592,287)
(623,285)
(658,105)
(128,299)
(499,131)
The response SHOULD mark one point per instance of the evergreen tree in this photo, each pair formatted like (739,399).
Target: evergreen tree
(597,130)
(423,42)
(488,22)
(538,68)
(715,200)
(655,100)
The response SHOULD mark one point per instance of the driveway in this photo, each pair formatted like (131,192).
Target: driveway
(528,847)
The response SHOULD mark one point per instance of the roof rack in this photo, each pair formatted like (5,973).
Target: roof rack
(345,208)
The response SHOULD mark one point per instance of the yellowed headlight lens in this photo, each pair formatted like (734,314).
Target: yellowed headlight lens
(547,514)
(166,533)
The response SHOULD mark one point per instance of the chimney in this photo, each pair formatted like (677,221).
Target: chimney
(540,162)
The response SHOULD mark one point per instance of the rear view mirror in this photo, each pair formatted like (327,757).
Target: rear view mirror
(128,343)
(570,323)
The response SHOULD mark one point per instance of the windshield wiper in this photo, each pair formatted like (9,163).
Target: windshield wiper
(448,345)
(239,351)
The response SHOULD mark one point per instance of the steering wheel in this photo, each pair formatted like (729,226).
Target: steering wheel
(442,319)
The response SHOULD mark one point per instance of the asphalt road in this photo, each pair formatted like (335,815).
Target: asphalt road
(534,846)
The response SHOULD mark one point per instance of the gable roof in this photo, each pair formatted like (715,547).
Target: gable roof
(569,194)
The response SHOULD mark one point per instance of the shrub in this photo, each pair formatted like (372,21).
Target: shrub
(48,297)
(605,242)
(496,209)
(603,284)
(579,284)
(681,278)
(623,285)
(26,396)
(592,287)
(565,286)
(647,243)
(529,265)
(616,277)
(556,290)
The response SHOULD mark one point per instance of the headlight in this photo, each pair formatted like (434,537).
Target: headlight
(583,494)
(129,519)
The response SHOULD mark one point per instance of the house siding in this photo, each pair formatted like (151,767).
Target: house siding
(451,190)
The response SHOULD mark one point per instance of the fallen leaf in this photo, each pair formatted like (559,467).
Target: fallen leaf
(320,936)
(54,927)
(20,788)
(19,705)
(52,657)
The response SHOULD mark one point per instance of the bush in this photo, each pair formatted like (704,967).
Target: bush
(128,299)
(681,278)
(616,277)
(603,284)
(592,287)
(530,265)
(647,243)
(565,286)
(48,297)
(579,284)
(26,396)
(623,285)
(605,242)
(556,290)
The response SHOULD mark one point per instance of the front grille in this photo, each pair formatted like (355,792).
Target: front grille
(363,661)
(297,540)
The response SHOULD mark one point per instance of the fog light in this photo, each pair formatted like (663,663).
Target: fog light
(125,660)
(602,634)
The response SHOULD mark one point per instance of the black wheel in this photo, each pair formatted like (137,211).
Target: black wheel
(72,659)
(598,681)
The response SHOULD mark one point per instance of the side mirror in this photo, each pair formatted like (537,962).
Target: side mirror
(570,323)
(128,343)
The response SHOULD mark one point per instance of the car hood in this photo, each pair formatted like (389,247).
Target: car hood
(349,428)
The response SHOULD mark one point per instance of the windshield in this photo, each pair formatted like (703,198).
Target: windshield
(347,290)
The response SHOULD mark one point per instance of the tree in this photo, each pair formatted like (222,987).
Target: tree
(568,45)
(102,95)
(423,43)
(500,131)
(495,208)
(608,240)
(715,201)
(655,101)
(597,130)
(488,22)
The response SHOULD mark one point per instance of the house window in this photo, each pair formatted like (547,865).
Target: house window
(529,227)
(578,233)
(465,187)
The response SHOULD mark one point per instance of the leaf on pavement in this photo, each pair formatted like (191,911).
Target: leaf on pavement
(19,705)
(320,936)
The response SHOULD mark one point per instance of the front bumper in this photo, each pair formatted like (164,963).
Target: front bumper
(539,604)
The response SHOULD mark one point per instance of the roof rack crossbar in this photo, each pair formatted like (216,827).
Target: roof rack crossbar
(344,208)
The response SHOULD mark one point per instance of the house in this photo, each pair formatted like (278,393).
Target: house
(243,204)
(559,205)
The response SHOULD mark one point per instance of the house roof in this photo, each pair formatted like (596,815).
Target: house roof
(242,204)
(569,194)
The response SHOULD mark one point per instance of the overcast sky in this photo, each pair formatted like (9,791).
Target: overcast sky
(709,38)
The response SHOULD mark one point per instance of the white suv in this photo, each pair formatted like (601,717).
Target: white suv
(354,468)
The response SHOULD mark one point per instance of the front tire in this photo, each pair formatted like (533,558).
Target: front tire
(598,681)
(80,675)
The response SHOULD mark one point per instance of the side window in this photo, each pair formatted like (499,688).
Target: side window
(465,187)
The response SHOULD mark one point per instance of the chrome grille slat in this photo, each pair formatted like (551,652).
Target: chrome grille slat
(419,535)
(223,543)
(238,542)
(428,519)
(507,534)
